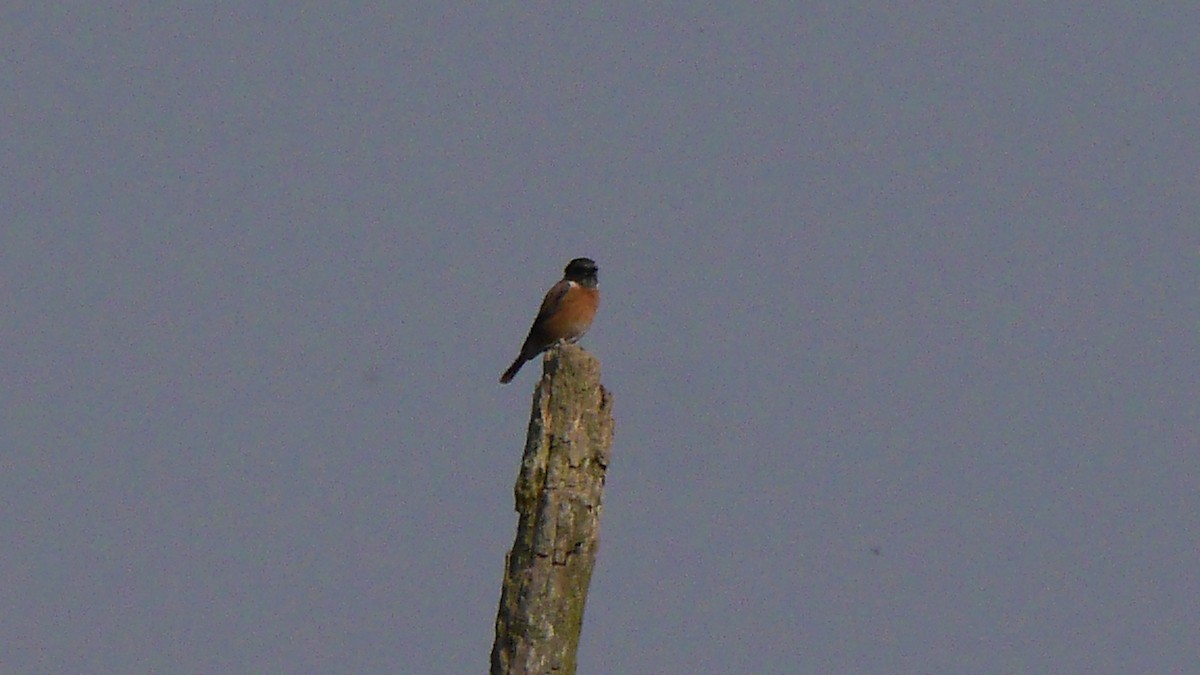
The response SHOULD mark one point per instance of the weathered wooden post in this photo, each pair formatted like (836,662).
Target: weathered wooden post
(559,495)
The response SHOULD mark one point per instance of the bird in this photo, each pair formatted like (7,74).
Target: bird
(565,315)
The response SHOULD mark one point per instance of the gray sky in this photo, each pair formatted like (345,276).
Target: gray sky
(900,316)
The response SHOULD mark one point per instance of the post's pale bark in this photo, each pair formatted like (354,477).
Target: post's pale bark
(558,494)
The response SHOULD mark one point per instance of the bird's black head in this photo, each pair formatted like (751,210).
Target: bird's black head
(582,270)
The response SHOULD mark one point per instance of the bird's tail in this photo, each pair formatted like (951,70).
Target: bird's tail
(512,370)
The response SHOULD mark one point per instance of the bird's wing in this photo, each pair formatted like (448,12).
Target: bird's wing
(550,302)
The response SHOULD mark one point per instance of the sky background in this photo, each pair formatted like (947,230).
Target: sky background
(901,307)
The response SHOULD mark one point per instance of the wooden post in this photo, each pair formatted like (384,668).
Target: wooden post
(558,496)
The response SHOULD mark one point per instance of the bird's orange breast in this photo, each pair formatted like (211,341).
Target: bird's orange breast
(574,313)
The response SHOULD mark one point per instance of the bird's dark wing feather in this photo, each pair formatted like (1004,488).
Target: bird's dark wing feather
(550,302)
(533,342)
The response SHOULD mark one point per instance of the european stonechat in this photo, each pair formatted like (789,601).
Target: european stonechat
(566,313)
